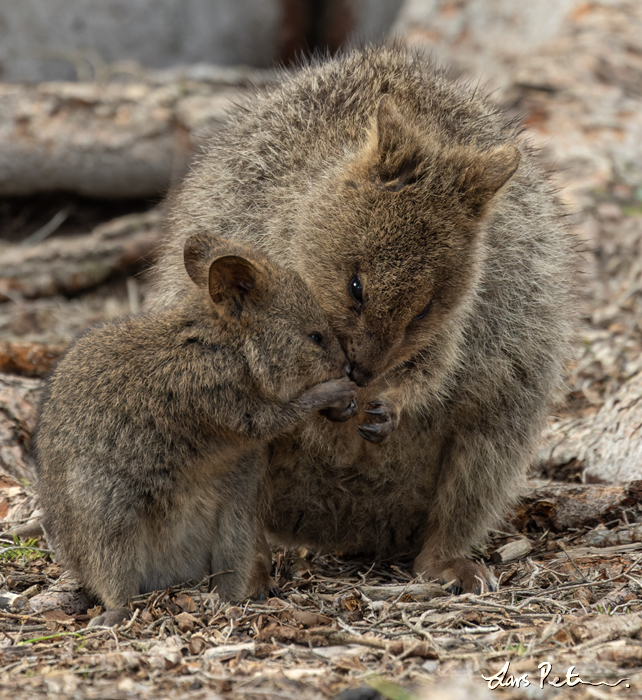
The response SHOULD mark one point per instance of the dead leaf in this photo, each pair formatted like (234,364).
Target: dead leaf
(57,615)
(196,644)
(304,618)
(185,622)
(185,602)
(233,613)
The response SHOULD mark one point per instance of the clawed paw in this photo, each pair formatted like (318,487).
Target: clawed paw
(463,575)
(340,415)
(110,618)
(383,419)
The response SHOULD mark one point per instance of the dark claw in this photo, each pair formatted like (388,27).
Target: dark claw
(274,591)
(374,433)
(379,413)
(455,589)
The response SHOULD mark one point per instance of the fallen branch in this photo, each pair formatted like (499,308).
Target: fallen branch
(29,357)
(67,596)
(69,265)
(109,140)
(421,591)
(606,446)
(322,636)
(562,506)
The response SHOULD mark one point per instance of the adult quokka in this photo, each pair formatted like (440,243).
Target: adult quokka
(435,246)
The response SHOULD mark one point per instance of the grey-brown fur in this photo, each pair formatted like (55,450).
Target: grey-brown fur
(153,431)
(375,165)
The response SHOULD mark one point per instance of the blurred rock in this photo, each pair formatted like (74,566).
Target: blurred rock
(606,447)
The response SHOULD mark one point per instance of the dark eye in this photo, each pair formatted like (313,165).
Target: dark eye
(356,290)
(317,338)
(424,313)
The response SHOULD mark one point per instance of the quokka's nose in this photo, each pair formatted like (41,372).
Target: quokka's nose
(359,376)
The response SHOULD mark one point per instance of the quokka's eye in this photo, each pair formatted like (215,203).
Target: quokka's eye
(424,312)
(317,338)
(356,290)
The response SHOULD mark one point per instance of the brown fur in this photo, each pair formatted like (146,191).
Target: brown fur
(375,166)
(153,432)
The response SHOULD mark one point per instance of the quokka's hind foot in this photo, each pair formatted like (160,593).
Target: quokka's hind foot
(464,576)
(110,618)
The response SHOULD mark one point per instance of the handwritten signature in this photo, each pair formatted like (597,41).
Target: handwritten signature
(504,679)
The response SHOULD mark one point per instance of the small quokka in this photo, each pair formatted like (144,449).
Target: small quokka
(432,238)
(153,430)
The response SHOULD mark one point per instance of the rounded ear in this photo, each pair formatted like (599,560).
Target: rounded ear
(232,277)
(488,173)
(389,124)
(397,146)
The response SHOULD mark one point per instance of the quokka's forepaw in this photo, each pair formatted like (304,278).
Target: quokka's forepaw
(338,415)
(383,418)
(463,575)
(262,586)
(335,399)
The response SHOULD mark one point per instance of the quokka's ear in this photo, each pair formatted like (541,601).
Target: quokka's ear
(389,125)
(398,151)
(233,278)
(221,267)
(486,173)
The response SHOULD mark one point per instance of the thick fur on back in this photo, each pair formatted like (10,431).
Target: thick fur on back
(374,165)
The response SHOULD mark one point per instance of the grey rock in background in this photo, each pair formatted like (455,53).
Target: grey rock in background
(70,39)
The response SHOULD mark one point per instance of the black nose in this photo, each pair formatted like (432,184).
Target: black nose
(359,376)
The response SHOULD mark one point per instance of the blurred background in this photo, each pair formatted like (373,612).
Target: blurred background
(51,40)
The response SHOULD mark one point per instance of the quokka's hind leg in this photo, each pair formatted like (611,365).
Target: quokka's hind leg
(262,585)
(115,577)
(234,549)
(481,472)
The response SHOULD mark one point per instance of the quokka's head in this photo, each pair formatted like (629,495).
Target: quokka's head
(267,312)
(393,237)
